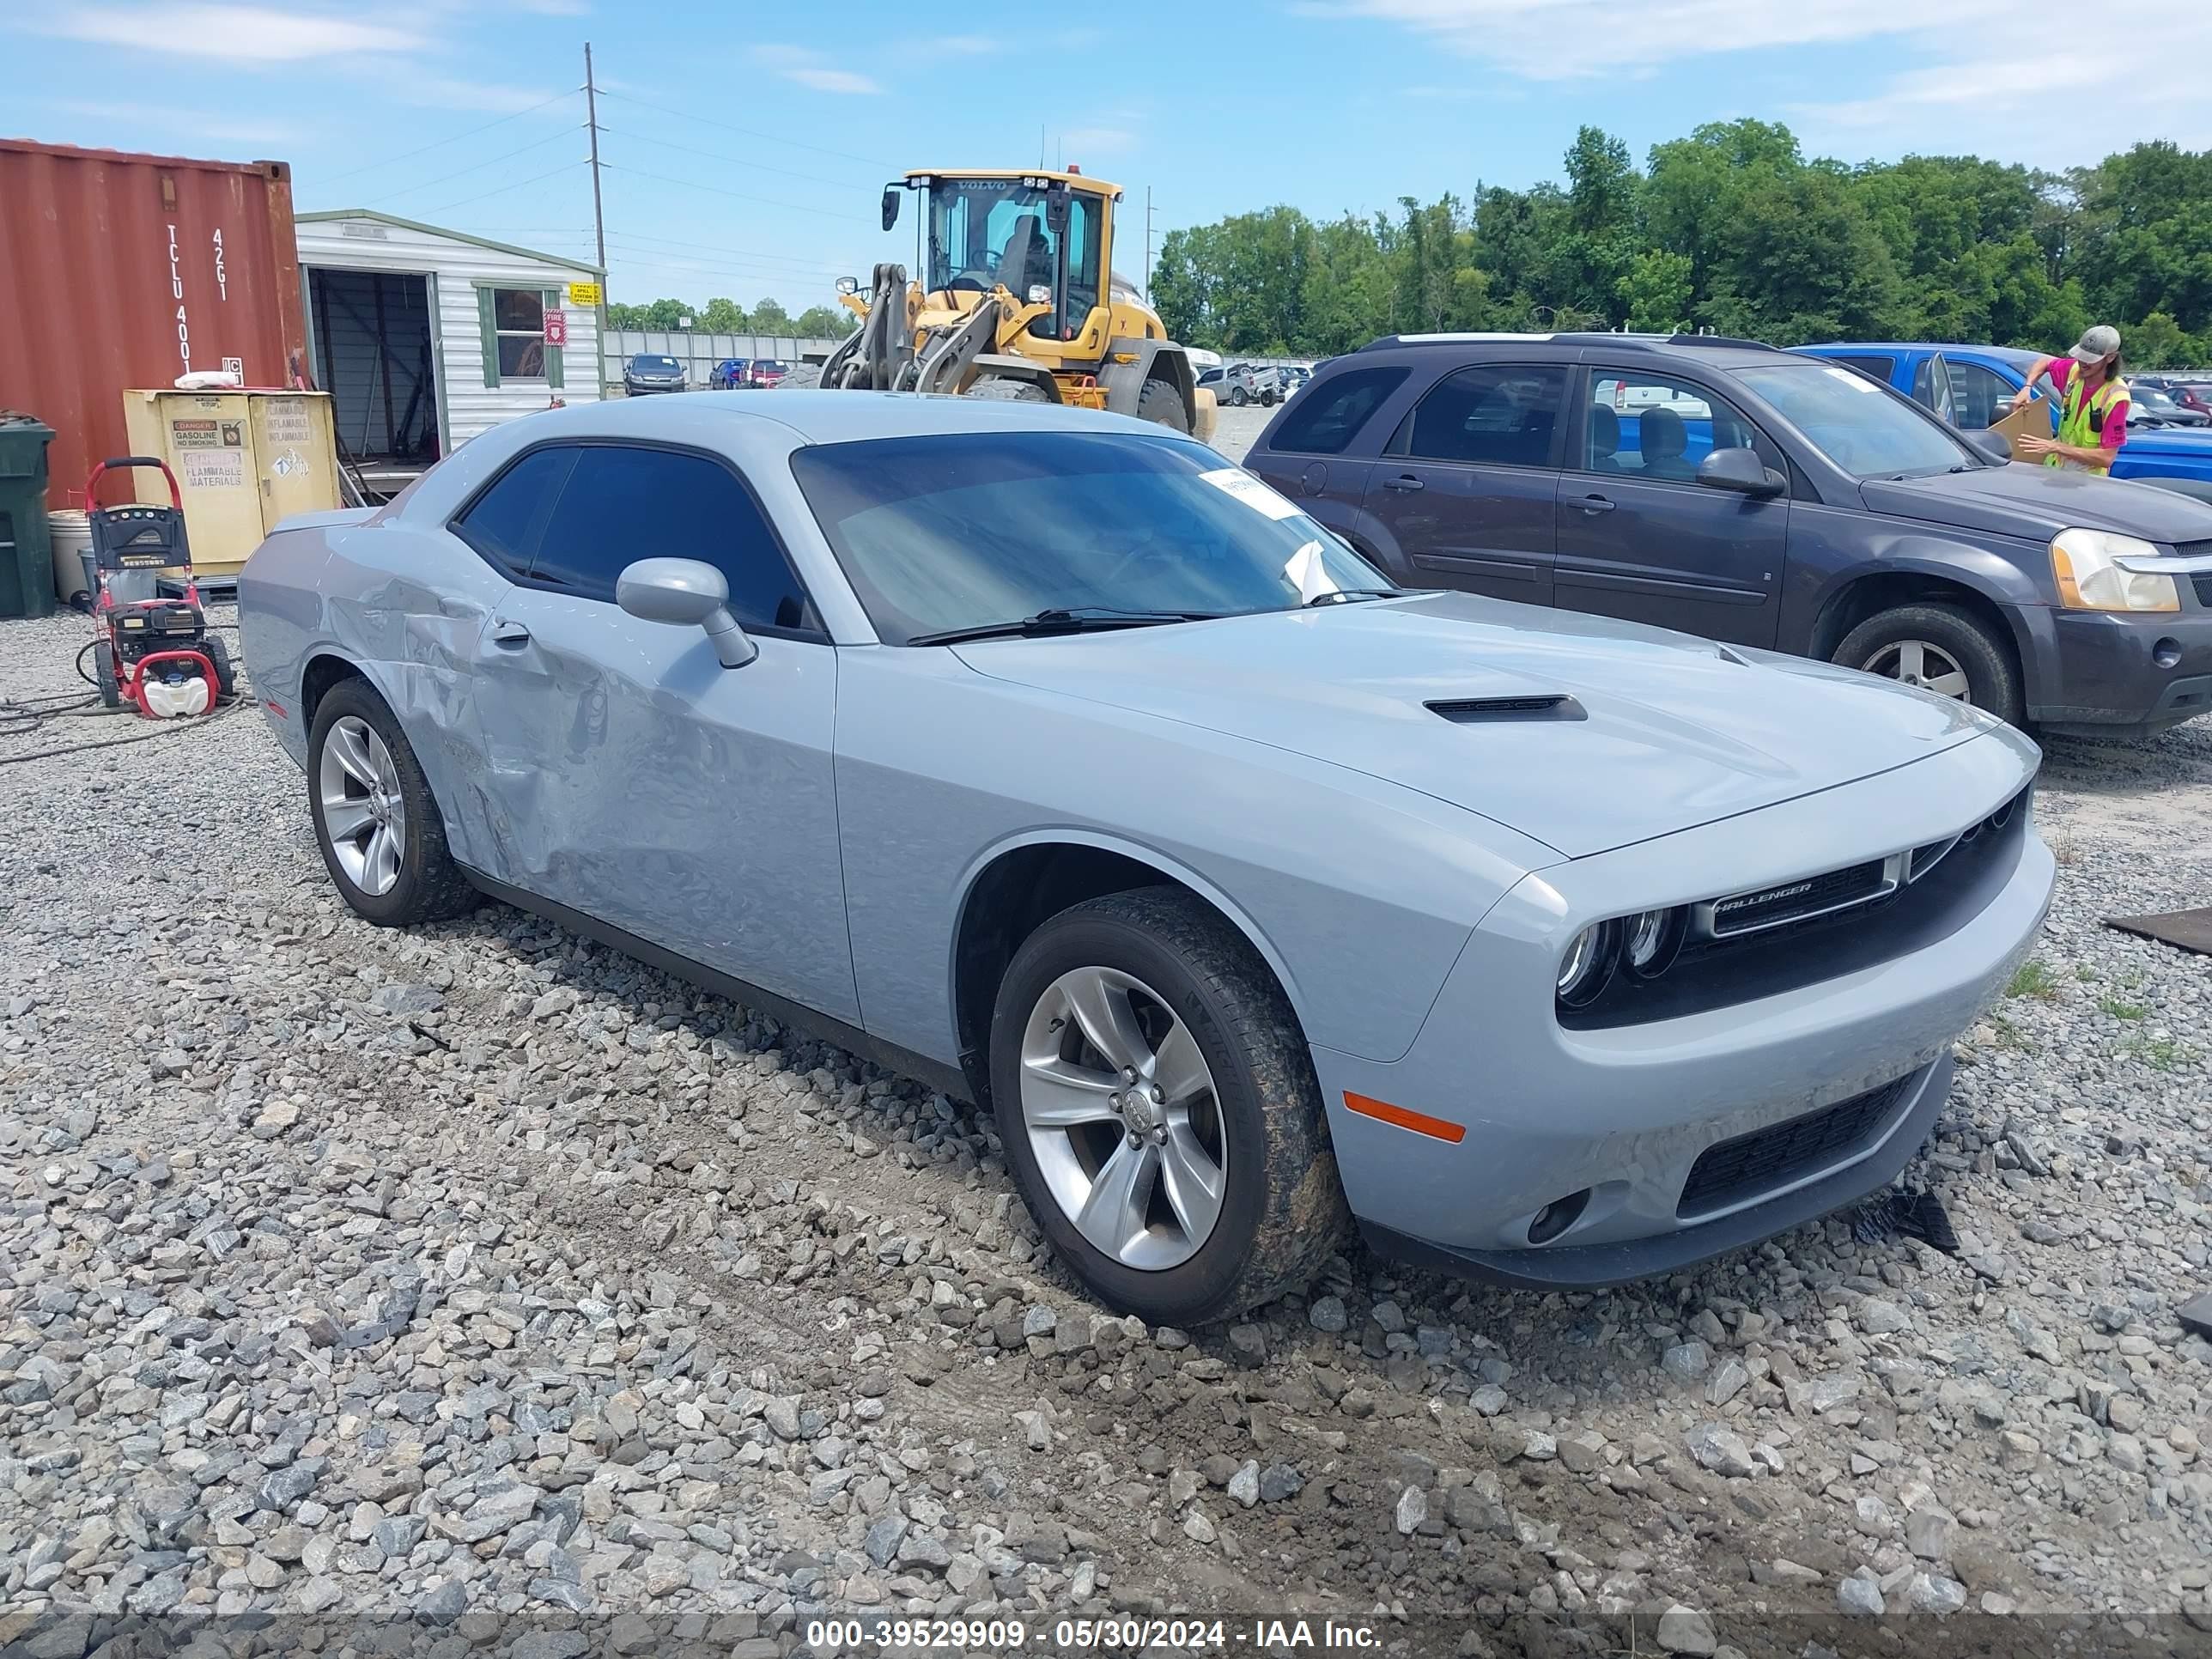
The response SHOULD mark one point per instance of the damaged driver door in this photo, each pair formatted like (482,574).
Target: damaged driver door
(634,778)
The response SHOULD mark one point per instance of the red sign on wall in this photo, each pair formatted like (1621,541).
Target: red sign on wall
(556,328)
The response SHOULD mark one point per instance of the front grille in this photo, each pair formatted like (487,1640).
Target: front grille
(1768,907)
(1766,1158)
(2203,583)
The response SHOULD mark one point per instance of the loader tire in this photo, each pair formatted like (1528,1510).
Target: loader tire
(1159,401)
(1005,391)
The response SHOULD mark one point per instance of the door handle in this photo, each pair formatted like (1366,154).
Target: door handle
(1596,504)
(509,633)
(1405,481)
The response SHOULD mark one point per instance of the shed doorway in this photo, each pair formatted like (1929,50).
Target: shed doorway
(375,354)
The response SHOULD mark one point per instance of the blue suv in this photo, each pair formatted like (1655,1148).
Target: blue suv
(1762,498)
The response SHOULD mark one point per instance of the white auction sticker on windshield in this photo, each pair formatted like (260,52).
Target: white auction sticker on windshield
(1853,379)
(1235,481)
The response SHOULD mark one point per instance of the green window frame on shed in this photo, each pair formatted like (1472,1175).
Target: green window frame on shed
(512,321)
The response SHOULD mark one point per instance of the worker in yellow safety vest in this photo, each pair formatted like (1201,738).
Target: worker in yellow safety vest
(2092,409)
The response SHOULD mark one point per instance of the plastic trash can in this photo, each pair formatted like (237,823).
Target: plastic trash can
(27,576)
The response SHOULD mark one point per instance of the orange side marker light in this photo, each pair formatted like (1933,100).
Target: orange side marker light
(1419,1122)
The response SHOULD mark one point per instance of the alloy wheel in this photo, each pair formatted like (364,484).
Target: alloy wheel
(1922,663)
(364,813)
(1122,1118)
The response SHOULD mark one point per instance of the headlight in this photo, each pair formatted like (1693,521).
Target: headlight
(1588,963)
(1654,940)
(2090,578)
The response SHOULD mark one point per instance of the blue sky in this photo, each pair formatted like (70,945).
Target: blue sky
(745,144)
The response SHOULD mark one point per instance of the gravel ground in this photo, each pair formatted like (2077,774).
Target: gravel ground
(484,1279)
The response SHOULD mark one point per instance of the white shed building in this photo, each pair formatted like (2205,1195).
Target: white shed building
(425,338)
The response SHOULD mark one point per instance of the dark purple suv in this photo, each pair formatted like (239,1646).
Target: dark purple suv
(1761,498)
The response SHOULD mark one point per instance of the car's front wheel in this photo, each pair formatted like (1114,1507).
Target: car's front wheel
(1160,1109)
(376,823)
(1941,648)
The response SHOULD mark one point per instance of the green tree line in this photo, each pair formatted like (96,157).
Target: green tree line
(1730,229)
(720,316)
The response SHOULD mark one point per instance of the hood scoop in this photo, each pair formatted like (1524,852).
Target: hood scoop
(1495,711)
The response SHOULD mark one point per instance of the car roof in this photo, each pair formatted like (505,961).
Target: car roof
(2015,355)
(1715,350)
(815,416)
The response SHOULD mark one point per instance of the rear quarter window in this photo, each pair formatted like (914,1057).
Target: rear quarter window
(1330,412)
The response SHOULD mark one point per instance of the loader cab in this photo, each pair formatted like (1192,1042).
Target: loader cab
(1039,236)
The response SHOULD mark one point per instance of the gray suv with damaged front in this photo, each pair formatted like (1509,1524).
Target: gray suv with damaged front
(1049,758)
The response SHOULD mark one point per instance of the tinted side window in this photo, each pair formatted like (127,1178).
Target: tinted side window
(1501,414)
(1980,397)
(1331,413)
(623,504)
(1651,426)
(504,523)
(1874,369)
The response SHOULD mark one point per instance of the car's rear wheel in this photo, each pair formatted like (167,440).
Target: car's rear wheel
(1941,648)
(380,833)
(1238,397)
(1160,1109)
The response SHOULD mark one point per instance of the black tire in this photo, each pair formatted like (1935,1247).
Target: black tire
(1159,401)
(1238,397)
(1992,674)
(430,886)
(226,677)
(1002,390)
(1283,1211)
(103,674)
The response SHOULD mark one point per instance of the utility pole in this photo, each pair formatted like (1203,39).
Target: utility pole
(1148,244)
(599,217)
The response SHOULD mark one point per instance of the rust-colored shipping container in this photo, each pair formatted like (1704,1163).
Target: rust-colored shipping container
(120,270)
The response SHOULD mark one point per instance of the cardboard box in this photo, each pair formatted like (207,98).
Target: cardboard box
(2030,420)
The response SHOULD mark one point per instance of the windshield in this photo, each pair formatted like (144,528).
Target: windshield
(986,233)
(965,530)
(1858,425)
(2151,397)
(653,363)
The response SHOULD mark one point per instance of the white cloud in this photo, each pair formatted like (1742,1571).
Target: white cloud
(191,126)
(807,69)
(233,34)
(2033,79)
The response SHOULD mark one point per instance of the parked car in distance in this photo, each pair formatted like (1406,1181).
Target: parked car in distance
(1419,906)
(2153,405)
(1760,498)
(1237,385)
(649,372)
(768,373)
(2188,390)
(730,374)
(1973,386)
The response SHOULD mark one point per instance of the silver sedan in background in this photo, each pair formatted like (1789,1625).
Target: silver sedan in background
(1049,758)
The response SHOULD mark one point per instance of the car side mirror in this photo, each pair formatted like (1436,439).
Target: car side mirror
(891,193)
(690,594)
(1741,471)
(1994,445)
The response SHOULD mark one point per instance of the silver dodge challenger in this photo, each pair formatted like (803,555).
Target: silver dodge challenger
(1050,759)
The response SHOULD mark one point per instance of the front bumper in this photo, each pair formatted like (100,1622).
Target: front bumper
(2114,675)
(1621,1115)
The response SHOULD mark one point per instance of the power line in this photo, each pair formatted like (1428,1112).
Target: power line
(503,189)
(737,195)
(747,132)
(735,160)
(478,166)
(743,253)
(454,138)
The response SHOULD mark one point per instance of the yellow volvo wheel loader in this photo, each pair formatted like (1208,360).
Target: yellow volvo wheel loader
(1017,300)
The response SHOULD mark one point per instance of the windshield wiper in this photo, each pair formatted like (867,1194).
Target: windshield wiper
(1346,595)
(1080,620)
